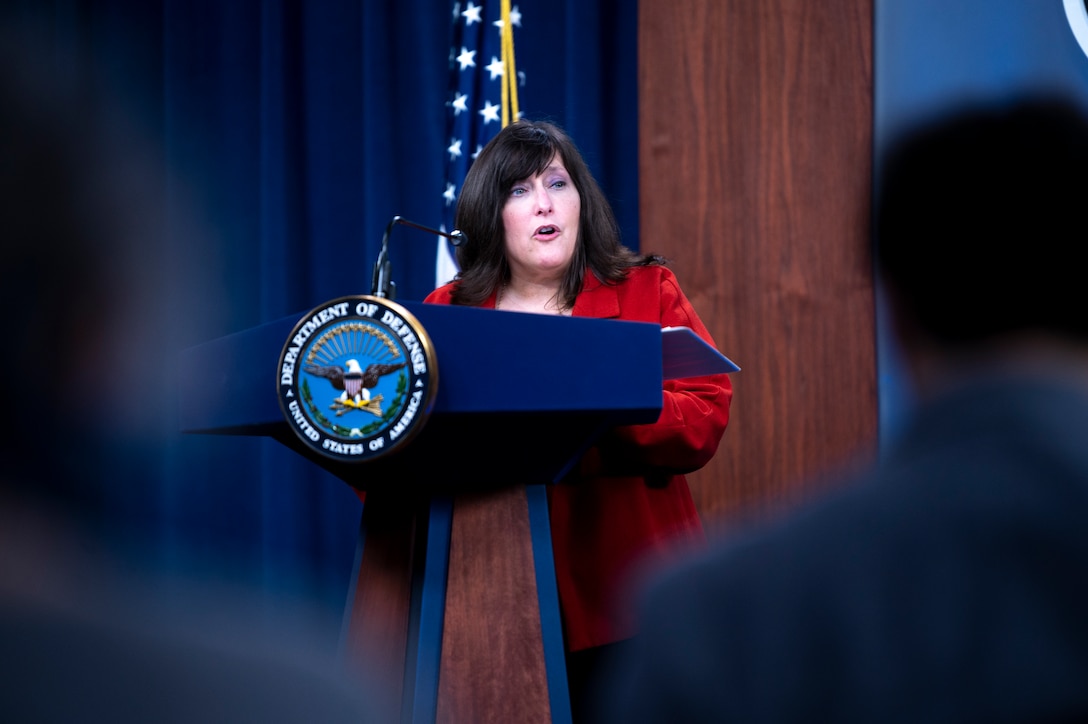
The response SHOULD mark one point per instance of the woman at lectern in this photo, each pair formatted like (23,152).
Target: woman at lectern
(542,238)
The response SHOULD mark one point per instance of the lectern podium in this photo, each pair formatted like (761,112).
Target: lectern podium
(455,598)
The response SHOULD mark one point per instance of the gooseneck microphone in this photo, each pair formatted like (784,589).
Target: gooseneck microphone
(382,284)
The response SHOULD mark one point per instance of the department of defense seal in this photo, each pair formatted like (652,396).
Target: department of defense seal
(357,378)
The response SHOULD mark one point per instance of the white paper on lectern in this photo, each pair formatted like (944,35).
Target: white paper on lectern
(686,354)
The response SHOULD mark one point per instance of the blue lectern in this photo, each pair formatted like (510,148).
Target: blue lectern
(455,595)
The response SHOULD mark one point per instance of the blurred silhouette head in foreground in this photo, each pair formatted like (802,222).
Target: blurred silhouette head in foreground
(978,218)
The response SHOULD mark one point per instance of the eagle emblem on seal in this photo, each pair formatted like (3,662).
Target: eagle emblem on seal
(355,384)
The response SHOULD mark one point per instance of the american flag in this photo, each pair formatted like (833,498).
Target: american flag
(481,98)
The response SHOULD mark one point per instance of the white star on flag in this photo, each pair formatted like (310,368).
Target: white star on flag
(494,68)
(467,58)
(472,13)
(490,112)
(460,103)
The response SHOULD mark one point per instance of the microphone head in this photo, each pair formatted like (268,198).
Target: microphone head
(458,237)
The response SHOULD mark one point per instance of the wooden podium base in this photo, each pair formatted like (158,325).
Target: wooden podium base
(455,607)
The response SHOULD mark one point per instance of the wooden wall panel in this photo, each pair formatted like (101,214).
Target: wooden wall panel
(755,158)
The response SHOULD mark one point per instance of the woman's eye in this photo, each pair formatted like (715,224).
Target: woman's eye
(517,191)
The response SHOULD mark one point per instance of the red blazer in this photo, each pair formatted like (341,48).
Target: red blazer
(628,502)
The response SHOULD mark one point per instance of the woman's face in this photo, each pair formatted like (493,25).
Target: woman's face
(541,217)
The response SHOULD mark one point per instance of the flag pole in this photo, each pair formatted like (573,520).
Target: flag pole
(510,75)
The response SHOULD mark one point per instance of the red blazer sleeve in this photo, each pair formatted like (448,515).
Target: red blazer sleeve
(694,412)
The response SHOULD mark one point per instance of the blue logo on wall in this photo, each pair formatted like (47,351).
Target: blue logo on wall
(1076,12)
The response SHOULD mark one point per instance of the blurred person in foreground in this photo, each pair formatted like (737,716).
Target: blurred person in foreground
(90,295)
(542,239)
(949,584)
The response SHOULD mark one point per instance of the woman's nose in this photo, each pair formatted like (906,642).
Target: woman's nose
(543,201)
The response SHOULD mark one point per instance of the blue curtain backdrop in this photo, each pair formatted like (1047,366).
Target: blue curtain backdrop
(293,131)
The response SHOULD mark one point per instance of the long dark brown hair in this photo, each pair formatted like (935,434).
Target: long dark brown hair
(521,150)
